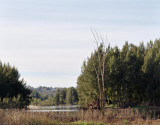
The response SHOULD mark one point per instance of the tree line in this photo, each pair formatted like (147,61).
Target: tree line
(62,96)
(123,77)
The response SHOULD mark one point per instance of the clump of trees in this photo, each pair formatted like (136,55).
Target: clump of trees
(123,77)
(42,93)
(62,96)
(13,90)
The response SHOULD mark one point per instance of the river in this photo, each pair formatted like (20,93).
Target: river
(67,108)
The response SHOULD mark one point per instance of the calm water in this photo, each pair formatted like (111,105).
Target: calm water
(57,108)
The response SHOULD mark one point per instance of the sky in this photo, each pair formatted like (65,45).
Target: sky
(48,40)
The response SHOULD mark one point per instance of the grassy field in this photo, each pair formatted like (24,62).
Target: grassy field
(94,117)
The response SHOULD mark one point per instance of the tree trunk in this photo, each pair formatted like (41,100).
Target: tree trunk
(1,99)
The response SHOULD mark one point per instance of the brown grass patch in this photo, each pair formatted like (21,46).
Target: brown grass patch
(111,116)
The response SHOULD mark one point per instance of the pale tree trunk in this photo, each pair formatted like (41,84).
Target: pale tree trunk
(101,70)
(103,89)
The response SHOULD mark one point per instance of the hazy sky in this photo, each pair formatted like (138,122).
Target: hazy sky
(47,40)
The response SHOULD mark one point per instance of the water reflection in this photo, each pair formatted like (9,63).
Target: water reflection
(69,108)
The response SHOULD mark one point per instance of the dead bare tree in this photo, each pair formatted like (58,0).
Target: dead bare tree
(100,69)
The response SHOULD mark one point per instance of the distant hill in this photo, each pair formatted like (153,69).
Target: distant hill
(48,96)
(43,92)
(46,90)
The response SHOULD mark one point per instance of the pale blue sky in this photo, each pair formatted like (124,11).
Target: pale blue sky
(49,39)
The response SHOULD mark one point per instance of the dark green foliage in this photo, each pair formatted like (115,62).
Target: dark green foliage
(46,92)
(62,96)
(132,76)
(71,96)
(35,94)
(56,97)
(12,87)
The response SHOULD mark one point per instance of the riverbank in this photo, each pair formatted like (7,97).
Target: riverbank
(92,117)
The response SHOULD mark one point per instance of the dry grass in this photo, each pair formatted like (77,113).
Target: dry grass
(111,117)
